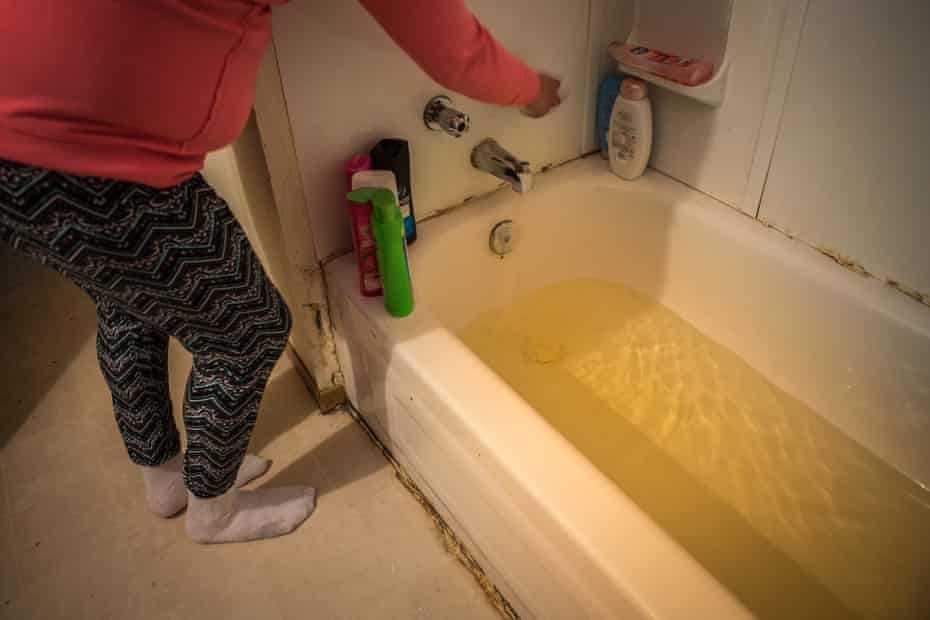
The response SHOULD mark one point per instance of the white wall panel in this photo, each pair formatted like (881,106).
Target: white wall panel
(347,85)
(850,170)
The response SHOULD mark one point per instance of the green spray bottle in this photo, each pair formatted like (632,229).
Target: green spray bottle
(387,224)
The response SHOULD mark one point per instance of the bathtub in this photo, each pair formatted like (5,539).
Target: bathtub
(556,536)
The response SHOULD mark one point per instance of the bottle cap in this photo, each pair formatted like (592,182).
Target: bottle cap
(633,89)
(358,162)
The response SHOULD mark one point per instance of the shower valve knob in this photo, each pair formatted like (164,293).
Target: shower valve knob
(439,115)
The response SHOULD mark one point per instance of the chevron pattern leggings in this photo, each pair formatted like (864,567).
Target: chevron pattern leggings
(160,263)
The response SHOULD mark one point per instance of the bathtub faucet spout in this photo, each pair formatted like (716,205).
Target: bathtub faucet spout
(489,156)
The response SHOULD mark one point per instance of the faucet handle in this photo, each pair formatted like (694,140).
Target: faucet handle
(439,115)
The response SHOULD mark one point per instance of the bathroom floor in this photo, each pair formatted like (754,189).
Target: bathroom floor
(76,540)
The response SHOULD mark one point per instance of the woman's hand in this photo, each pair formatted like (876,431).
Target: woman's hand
(547,99)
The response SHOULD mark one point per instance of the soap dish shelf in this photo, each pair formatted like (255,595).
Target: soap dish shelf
(709,93)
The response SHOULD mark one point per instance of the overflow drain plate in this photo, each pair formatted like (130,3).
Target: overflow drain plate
(501,238)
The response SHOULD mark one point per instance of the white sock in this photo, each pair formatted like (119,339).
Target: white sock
(238,516)
(164,486)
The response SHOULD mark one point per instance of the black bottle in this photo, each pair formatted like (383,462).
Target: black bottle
(394,155)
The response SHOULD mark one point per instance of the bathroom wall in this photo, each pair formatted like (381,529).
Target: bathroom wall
(347,85)
(821,131)
(712,149)
(850,170)
(837,156)
(823,127)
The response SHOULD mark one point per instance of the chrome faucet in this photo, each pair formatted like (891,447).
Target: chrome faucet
(489,156)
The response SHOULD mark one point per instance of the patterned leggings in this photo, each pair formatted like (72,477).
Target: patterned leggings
(160,263)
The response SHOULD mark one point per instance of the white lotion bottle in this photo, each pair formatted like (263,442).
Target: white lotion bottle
(629,140)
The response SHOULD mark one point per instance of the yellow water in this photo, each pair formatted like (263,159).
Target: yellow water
(791,515)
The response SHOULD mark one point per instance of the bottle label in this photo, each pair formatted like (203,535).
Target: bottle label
(404,199)
(625,135)
(370,275)
(661,57)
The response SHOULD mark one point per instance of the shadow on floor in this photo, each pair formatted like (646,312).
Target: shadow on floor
(340,459)
(46,321)
(333,459)
(286,404)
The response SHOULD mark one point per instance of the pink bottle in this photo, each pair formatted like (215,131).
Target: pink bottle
(360,215)
(687,71)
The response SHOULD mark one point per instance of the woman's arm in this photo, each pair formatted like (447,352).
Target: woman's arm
(456,50)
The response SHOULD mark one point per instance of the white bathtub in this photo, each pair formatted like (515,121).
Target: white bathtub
(556,536)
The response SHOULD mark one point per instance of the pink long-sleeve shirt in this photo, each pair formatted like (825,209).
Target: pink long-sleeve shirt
(141,90)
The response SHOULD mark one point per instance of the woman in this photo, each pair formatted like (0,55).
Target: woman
(107,110)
